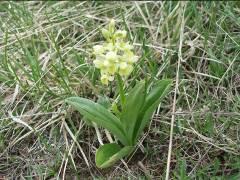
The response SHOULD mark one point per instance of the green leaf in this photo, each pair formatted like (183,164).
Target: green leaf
(104,101)
(115,109)
(109,154)
(132,108)
(153,98)
(100,115)
(158,91)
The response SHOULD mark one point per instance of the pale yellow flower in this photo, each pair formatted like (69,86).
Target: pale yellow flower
(112,69)
(98,49)
(119,34)
(106,63)
(112,56)
(127,46)
(123,65)
(115,56)
(98,63)
(109,46)
(129,57)
(105,78)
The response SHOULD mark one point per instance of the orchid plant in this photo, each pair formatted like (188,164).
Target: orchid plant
(115,58)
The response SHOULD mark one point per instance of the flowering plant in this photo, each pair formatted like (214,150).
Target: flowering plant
(115,57)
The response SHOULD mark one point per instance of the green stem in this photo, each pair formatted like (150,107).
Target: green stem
(121,89)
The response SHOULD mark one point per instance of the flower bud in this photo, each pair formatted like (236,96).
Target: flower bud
(106,34)
(104,79)
(111,26)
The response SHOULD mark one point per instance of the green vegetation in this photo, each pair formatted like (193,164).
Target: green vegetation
(46,57)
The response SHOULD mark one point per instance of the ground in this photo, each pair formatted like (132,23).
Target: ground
(46,56)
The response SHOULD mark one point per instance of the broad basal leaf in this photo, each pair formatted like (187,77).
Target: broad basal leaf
(100,115)
(108,154)
(132,107)
(153,99)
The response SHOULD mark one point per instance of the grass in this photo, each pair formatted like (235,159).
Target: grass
(45,56)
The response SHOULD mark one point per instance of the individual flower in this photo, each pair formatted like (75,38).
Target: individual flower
(98,49)
(111,56)
(125,69)
(119,34)
(105,78)
(129,57)
(115,56)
